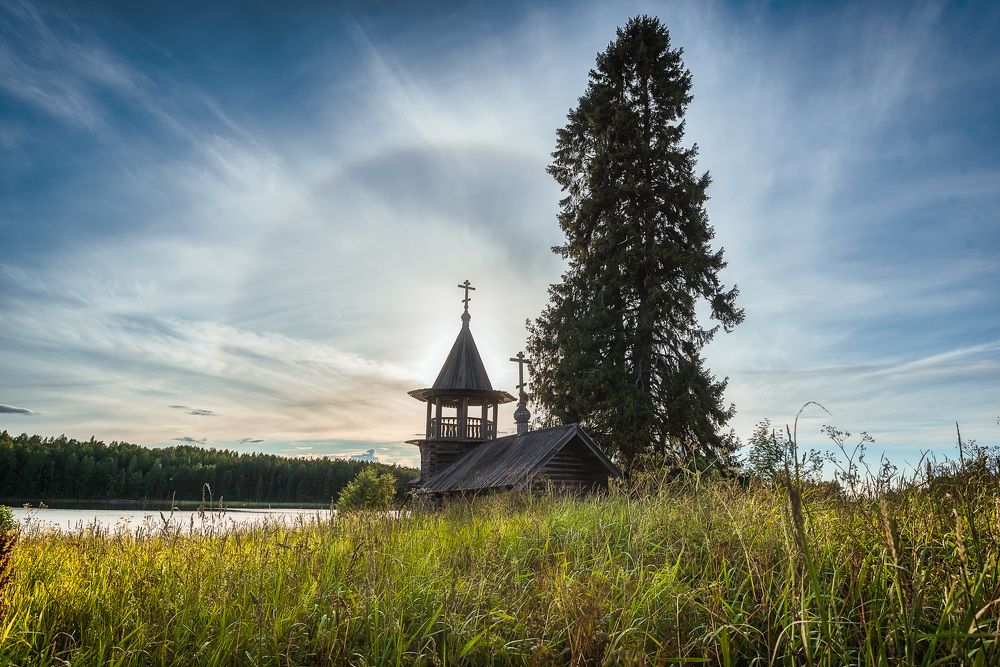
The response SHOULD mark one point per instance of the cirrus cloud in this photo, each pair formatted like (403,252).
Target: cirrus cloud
(11,410)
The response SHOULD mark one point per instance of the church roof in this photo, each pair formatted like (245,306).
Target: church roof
(463,373)
(512,461)
(463,369)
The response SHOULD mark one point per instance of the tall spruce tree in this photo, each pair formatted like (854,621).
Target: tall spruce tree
(618,348)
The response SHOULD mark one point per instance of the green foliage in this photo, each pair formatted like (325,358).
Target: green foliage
(686,572)
(8,538)
(618,348)
(32,468)
(368,491)
(7,523)
(770,453)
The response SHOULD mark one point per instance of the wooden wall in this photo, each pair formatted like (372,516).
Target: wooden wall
(436,455)
(575,468)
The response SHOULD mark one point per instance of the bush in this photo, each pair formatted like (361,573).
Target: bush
(8,536)
(7,523)
(772,452)
(368,491)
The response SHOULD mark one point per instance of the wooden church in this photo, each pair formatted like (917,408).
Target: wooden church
(461,453)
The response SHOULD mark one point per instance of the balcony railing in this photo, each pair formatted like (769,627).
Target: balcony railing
(451,428)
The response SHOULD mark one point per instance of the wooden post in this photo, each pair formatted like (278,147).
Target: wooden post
(484,433)
(495,419)
(437,417)
(463,419)
(428,430)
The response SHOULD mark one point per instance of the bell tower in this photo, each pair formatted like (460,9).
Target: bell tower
(460,404)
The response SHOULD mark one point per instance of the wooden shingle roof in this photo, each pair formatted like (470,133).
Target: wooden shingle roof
(512,461)
(463,369)
(463,374)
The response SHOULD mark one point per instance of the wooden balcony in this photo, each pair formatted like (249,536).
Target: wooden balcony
(451,428)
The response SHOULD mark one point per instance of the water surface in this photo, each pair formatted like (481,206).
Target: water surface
(148,522)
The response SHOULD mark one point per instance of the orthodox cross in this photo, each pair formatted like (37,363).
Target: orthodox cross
(521,361)
(466,286)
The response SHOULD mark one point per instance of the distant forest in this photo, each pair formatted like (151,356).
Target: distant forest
(37,468)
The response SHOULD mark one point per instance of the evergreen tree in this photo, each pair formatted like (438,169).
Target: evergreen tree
(618,348)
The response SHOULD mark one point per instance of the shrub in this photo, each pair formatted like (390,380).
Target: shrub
(368,491)
(8,536)
(7,523)
(772,452)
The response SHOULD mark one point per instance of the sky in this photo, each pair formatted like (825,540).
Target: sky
(243,225)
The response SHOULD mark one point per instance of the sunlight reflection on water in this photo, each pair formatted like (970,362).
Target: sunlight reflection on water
(153,522)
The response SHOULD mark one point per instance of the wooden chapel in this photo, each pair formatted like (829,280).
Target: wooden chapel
(461,451)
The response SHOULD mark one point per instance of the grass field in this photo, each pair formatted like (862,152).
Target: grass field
(689,571)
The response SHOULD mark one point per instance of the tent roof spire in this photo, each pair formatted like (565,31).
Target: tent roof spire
(463,371)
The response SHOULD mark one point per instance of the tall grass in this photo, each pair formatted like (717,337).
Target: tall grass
(687,571)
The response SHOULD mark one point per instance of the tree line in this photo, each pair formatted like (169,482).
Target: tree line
(33,467)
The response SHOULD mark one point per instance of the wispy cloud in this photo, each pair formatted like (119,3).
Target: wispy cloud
(367,456)
(11,410)
(191,441)
(197,412)
(62,66)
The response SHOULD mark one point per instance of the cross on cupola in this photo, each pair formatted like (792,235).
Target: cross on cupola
(467,286)
(521,362)
(521,414)
(465,315)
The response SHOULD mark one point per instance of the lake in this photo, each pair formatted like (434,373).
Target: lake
(146,522)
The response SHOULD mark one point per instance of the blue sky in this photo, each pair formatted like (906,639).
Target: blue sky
(243,225)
